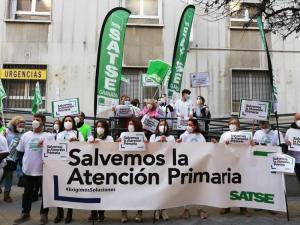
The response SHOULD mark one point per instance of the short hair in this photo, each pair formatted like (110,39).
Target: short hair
(135,102)
(41,116)
(236,119)
(185,91)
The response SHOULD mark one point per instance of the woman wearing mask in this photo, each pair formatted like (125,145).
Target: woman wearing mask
(162,135)
(56,128)
(202,112)
(149,111)
(134,125)
(234,126)
(69,133)
(191,135)
(14,131)
(102,135)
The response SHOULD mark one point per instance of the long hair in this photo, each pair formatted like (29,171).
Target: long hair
(195,123)
(105,127)
(62,128)
(157,133)
(138,127)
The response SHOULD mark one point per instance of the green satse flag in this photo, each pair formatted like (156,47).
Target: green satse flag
(180,50)
(109,61)
(157,70)
(37,99)
(270,68)
(2,96)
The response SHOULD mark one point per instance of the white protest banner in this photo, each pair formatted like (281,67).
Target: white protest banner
(147,82)
(132,141)
(294,138)
(124,111)
(99,177)
(200,79)
(65,107)
(254,109)
(281,163)
(182,123)
(56,151)
(240,137)
(149,124)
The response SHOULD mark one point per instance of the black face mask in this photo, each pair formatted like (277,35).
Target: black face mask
(79,124)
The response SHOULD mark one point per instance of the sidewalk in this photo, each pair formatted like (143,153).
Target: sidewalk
(10,211)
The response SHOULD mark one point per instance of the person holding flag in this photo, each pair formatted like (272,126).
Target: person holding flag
(37,99)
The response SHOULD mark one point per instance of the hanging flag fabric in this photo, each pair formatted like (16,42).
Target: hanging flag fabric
(37,99)
(157,70)
(180,50)
(270,69)
(2,96)
(109,60)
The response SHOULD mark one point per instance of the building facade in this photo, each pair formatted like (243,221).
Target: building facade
(55,42)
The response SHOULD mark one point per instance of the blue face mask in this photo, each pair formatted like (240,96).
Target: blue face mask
(127,103)
(188,97)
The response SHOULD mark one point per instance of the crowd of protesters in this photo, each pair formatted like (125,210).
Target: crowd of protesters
(23,149)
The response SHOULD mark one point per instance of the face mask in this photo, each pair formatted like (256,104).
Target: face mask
(35,124)
(149,106)
(56,127)
(162,129)
(266,130)
(68,125)
(187,97)
(127,103)
(20,129)
(298,123)
(232,127)
(100,130)
(198,102)
(189,129)
(77,120)
(130,128)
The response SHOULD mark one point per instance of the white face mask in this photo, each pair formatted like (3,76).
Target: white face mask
(77,120)
(266,130)
(100,130)
(35,124)
(20,129)
(298,123)
(68,125)
(190,129)
(149,106)
(130,128)
(232,127)
(56,127)
(162,129)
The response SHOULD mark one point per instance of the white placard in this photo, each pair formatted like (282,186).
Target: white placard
(56,151)
(294,138)
(65,107)
(281,163)
(146,82)
(182,123)
(149,124)
(132,141)
(253,109)
(200,79)
(124,111)
(240,137)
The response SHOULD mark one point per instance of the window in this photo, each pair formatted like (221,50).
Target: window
(134,88)
(144,11)
(242,13)
(20,92)
(36,10)
(252,84)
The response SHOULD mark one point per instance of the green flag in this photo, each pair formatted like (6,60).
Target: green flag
(157,70)
(109,60)
(270,68)
(180,50)
(37,99)
(2,96)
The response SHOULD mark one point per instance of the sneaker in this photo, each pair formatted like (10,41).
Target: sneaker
(124,217)
(139,217)
(22,219)
(164,215)
(186,214)
(101,216)
(202,214)
(93,216)
(43,219)
(0,190)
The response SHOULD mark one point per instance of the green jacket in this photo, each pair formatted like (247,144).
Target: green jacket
(85,130)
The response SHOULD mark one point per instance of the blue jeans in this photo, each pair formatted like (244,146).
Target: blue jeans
(7,181)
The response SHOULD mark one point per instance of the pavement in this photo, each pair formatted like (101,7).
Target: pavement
(10,211)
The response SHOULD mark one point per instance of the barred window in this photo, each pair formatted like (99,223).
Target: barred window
(252,84)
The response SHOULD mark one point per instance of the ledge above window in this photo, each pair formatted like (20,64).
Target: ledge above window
(27,21)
